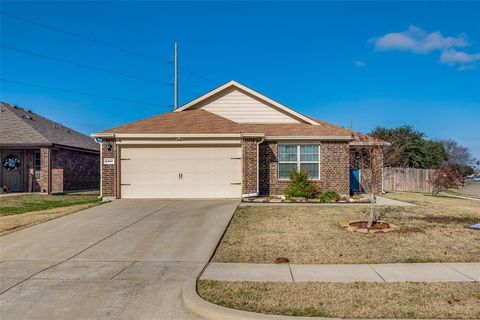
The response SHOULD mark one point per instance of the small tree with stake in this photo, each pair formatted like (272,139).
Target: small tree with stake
(364,158)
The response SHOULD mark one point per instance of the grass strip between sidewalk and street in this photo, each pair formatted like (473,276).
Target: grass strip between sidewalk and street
(447,300)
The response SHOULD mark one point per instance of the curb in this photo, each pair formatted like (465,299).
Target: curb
(207,310)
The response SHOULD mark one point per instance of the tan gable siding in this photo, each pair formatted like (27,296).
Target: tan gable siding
(241,107)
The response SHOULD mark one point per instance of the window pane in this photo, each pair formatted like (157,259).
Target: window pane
(287,153)
(284,169)
(312,169)
(309,152)
(37,161)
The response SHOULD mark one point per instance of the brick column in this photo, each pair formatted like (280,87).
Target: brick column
(57,171)
(109,171)
(334,167)
(249,162)
(43,182)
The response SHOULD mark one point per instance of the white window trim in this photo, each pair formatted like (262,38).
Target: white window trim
(298,162)
(36,172)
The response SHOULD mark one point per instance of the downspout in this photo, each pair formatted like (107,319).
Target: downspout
(258,164)
(49,186)
(99,141)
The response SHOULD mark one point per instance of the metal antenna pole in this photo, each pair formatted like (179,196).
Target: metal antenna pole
(175,103)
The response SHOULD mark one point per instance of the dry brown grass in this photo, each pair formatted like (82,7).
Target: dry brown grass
(453,300)
(18,212)
(432,231)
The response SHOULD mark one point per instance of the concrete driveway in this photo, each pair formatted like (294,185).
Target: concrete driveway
(123,260)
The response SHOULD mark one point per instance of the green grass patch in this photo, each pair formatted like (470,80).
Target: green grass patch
(13,205)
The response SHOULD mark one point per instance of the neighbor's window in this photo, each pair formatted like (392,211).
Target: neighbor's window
(295,157)
(37,165)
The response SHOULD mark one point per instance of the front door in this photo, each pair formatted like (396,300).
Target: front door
(354,180)
(12,170)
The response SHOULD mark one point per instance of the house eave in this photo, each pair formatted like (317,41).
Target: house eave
(14,145)
(175,135)
(323,138)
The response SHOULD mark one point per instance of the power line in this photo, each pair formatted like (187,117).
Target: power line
(103,43)
(79,36)
(84,65)
(196,74)
(81,93)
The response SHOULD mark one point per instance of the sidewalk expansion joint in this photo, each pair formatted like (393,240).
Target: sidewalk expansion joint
(291,273)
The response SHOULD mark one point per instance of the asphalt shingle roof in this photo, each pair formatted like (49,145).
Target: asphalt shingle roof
(201,121)
(22,127)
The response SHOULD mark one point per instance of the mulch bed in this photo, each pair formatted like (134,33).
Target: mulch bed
(380,225)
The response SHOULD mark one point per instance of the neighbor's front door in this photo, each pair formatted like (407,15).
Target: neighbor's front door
(12,170)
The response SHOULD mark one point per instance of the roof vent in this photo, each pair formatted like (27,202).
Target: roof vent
(29,111)
(27,117)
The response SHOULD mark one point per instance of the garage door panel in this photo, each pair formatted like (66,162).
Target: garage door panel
(205,172)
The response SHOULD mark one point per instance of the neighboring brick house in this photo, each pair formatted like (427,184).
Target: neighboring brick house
(228,143)
(40,155)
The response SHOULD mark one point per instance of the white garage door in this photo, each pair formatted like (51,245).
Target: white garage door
(180,172)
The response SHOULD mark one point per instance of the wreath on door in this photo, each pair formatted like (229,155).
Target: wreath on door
(11,163)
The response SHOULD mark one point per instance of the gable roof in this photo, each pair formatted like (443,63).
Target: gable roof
(200,121)
(188,120)
(234,84)
(20,127)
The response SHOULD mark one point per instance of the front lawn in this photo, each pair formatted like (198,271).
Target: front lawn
(451,300)
(23,210)
(431,231)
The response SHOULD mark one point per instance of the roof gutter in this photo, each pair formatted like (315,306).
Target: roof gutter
(333,138)
(102,135)
(166,135)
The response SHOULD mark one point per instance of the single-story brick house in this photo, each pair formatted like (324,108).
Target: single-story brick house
(40,155)
(228,143)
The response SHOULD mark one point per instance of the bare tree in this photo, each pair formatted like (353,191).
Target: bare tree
(365,158)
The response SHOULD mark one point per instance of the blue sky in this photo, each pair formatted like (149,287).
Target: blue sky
(370,63)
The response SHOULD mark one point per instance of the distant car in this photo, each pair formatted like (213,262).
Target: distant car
(476,179)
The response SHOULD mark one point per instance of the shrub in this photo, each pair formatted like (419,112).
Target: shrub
(300,186)
(329,196)
(445,178)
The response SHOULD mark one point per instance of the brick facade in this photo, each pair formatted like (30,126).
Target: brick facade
(249,165)
(60,170)
(109,171)
(334,168)
(74,170)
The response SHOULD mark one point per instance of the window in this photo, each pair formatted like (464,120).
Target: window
(295,157)
(37,165)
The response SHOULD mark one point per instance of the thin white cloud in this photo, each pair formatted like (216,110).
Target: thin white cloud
(462,59)
(359,63)
(417,40)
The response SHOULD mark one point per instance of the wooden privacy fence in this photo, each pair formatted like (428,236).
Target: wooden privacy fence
(407,179)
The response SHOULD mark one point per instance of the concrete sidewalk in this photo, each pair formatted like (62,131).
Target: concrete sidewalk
(397,272)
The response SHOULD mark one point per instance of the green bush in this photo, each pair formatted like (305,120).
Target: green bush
(300,186)
(329,196)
